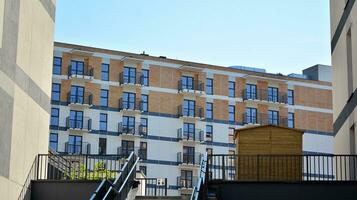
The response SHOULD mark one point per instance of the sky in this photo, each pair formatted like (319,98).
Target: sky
(281,36)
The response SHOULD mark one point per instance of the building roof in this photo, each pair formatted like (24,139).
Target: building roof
(264,126)
(185,63)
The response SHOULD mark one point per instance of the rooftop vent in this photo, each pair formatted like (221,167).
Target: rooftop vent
(144,54)
(162,57)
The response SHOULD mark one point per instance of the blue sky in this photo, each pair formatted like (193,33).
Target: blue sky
(279,35)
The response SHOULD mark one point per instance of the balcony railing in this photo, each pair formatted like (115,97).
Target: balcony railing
(263,95)
(126,105)
(186,182)
(196,86)
(263,119)
(198,112)
(87,99)
(125,152)
(197,135)
(136,130)
(189,159)
(86,72)
(85,124)
(83,148)
(138,79)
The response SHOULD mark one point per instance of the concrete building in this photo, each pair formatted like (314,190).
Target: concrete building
(171,111)
(26,49)
(344,62)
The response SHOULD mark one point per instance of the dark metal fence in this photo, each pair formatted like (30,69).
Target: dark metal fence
(133,78)
(197,112)
(196,135)
(264,119)
(152,187)
(265,95)
(195,86)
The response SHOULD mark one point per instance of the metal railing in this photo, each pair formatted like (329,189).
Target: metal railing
(152,187)
(136,130)
(196,86)
(186,182)
(264,95)
(126,105)
(196,112)
(263,119)
(189,159)
(83,148)
(81,73)
(125,152)
(138,78)
(85,124)
(86,99)
(197,135)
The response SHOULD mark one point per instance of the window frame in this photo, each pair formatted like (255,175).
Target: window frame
(231,90)
(273,94)
(77,92)
(231,113)
(188,154)
(190,109)
(187,82)
(188,130)
(145,77)
(290,98)
(273,116)
(78,119)
(209,87)
(209,133)
(76,69)
(56,66)
(252,116)
(103,122)
(104,97)
(129,100)
(251,91)
(103,72)
(54,117)
(77,144)
(291,119)
(57,92)
(209,110)
(53,141)
(129,75)
(144,103)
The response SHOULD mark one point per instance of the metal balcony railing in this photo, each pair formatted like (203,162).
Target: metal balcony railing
(136,130)
(86,71)
(85,124)
(83,148)
(197,135)
(196,86)
(87,98)
(125,152)
(136,79)
(185,112)
(187,182)
(190,159)
(129,105)
(264,95)
(264,119)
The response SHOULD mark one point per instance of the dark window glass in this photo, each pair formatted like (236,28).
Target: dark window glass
(129,100)
(77,67)
(145,77)
(186,179)
(251,91)
(77,94)
(127,147)
(54,141)
(273,117)
(209,86)
(231,135)
(74,145)
(188,130)
(56,91)
(143,169)
(57,64)
(273,94)
(231,111)
(209,133)
(144,102)
(209,151)
(103,122)
(189,108)
(102,146)
(104,98)
(143,150)
(251,115)
(105,72)
(291,120)
(144,126)
(187,82)
(76,119)
(54,117)
(188,155)
(209,110)
(128,124)
(291,97)
(129,75)
(231,89)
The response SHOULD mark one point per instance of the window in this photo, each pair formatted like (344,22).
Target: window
(143,150)
(56,91)
(291,97)
(188,155)
(209,110)
(145,77)
(209,133)
(231,164)
(188,108)
(143,126)
(102,146)
(57,64)
(231,135)
(128,124)
(77,67)
(231,89)
(54,116)
(251,115)
(77,94)
(291,120)
(231,113)
(129,75)
(186,179)
(129,100)
(103,122)
(74,145)
(104,97)
(127,147)
(144,102)
(273,117)
(76,119)
(54,141)
(209,151)
(273,94)
(251,91)
(209,86)
(188,131)
(187,82)
(105,72)
(143,169)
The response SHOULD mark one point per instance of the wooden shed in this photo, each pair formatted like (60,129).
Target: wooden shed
(269,153)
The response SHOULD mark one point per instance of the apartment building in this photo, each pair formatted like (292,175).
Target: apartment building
(343,54)
(171,112)
(26,49)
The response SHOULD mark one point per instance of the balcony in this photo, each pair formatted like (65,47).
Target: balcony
(131,81)
(263,95)
(85,73)
(125,152)
(198,88)
(77,149)
(263,119)
(189,160)
(186,184)
(137,130)
(79,126)
(190,137)
(79,101)
(130,107)
(193,114)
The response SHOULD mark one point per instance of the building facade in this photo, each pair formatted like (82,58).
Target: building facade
(26,49)
(171,112)
(344,62)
